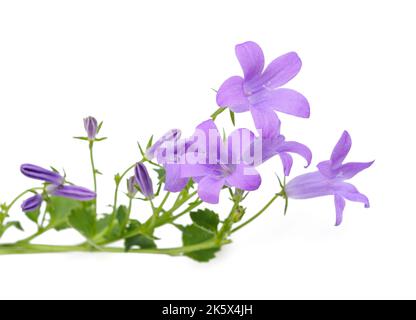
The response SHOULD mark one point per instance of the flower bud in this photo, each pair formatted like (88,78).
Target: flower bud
(32,203)
(131,187)
(91,127)
(72,192)
(39,173)
(171,135)
(143,180)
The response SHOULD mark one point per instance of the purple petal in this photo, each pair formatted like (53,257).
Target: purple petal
(325,167)
(349,170)
(287,162)
(32,203)
(171,135)
(209,189)
(199,170)
(309,185)
(207,142)
(72,192)
(282,100)
(341,150)
(281,70)
(231,95)
(245,178)
(174,182)
(339,207)
(251,59)
(266,121)
(39,173)
(239,143)
(350,192)
(298,148)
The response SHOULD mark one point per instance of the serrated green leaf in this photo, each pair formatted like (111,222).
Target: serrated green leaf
(84,221)
(193,234)
(206,219)
(122,216)
(59,209)
(140,240)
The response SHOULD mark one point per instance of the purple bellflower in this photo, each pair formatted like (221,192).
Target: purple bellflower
(91,127)
(330,179)
(143,180)
(32,203)
(260,90)
(56,182)
(219,163)
(273,143)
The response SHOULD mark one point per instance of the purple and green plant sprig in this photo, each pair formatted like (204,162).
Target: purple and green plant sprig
(191,174)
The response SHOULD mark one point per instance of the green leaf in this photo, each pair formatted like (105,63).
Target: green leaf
(140,240)
(232,116)
(161,175)
(59,209)
(14,224)
(82,138)
(33,215)
(141,149)
(193,234)
(149,143)
(206,219)
(122,216)
(84,221)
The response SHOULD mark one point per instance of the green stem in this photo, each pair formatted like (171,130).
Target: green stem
(94,171)
(32,249)
(257,214)
(217,113)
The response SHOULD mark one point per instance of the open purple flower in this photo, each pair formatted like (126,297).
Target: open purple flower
(273,143)
(32,203)
(330,179)
(56,182)
(260,90)
(214,163)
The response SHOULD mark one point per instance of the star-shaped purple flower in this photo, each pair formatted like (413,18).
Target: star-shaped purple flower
(215,163)
(260,90)
(330,179)
(273,143)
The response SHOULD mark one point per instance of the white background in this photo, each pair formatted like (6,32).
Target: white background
(145,67)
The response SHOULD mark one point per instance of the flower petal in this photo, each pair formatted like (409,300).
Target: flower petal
(207,142)
(287,162)
(339,207)
(245,178)
(341,150)
(251,59)
(266,121)
(283,100)
(309,185)
(349,170)
(298,148)
(350,192)
(209,189)
(231,95)
(173,181)
(188,170)
(39,173)
(325,167)
(239,144)
(281,70)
